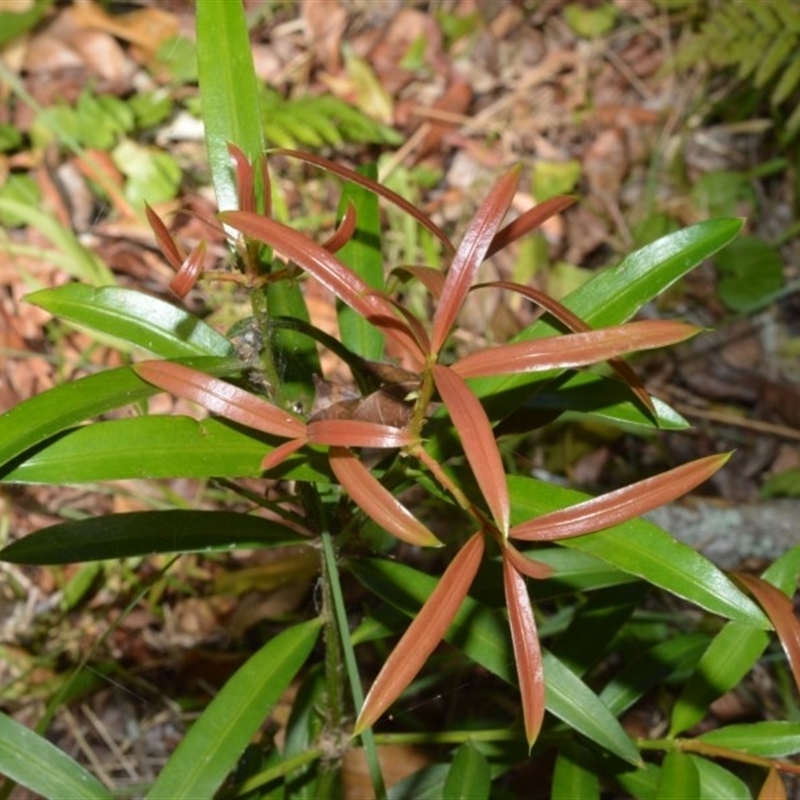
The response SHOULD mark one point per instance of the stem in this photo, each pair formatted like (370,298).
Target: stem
(258,302)
(339,618)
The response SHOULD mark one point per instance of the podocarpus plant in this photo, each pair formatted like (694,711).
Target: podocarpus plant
(420,414)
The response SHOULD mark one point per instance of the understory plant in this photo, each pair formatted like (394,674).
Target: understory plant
(395,478)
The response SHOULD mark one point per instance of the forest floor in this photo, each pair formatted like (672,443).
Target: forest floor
(453,93)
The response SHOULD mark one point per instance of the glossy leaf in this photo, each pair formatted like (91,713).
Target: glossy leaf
(642,549)
(614,295)
(732,653)
(573,349)
(482,635)
(151,447)
(432,279)
(679,778)
(526,566)
(228,91)
(134,317)
(34,420)
(142,533)
(470,254)
(173,254)
(780,610)
(423,634)
(189,271)
(528,221)
(772,739)
(469,777)
(35,763)
(372,186)
(527,654)
(211,748)
(376,501)
(478,441)
(357,433)
(620,505)
(222,398)
(329,271)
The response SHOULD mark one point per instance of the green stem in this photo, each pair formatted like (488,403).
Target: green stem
(367,737)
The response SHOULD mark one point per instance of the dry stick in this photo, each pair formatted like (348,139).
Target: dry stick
(769,428)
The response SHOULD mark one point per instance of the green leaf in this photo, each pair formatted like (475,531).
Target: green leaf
(228,91)
(213,744)
(32,761)
(642,549)
(731,654)
(606,399)
(55,410)
(363,255)
(140,533)
(469,777)
(153,447)
(679,778)
(650,668)
(144,321)
(718,783)
(483,635)
(15,23)
(771,739)
(152,175)
(616,294)
(575,777)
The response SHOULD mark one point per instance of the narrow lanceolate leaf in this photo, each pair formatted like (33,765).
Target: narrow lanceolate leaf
(357,433)
(166,243)
(38,765)
(217,739)
(478,441)
(470,254)
(189,271)
(424,633)
(342,235)
(780,610)
(526,650)
(134,317)
(431,278)
(572,321)
(372,186)
(679,778)
(620,505)
(377,502)
(329,271)
(527,566)
(221,398)
(526,222)
(574,349)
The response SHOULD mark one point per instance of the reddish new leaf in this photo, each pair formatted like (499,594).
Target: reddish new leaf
(773,787)
(376,502)
(281,453)
(527,566)
(572,349)
(780,610)
(526,222)
(372,186)
(424,633)
(329,271)
(342,235)
(527,653)
(189,271)
(561,313)
(357,433)
(620,505)
(477,439)
(221,398)
(171,252)
(470,254)
(246,181)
